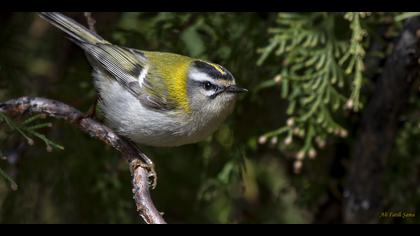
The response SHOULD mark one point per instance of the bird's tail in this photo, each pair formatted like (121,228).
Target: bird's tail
(75,30)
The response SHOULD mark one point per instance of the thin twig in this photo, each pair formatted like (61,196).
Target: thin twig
(59,110)
(90,21)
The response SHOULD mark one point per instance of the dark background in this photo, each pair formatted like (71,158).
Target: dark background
(231,177)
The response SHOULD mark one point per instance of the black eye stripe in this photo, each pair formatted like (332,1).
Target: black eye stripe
(207,85)
(216,93)
(217,90)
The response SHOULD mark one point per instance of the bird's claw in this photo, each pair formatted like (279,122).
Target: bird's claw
(147,164)
(151,175)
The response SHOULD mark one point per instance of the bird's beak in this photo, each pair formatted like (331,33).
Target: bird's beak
(235,89)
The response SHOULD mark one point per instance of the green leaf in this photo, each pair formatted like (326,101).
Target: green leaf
(193,41)
(12,183)
(406,15)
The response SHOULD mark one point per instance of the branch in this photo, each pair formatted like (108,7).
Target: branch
(58,110)
(365,188)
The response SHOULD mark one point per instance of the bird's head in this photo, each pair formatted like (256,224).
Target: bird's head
(211,88)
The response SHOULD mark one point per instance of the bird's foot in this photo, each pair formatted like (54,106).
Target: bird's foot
(148,164)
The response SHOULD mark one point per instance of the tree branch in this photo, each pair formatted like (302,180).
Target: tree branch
(365,188)
(56,109)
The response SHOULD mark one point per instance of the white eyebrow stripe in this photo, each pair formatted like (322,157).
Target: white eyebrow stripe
(200,76)
(143,75)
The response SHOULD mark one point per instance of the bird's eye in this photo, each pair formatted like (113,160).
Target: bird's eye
(207,85)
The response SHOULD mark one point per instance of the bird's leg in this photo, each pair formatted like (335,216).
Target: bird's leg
(147,164)
(92,111)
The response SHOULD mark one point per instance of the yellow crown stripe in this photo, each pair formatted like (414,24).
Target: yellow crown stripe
(215,66)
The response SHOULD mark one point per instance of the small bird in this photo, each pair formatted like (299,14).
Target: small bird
(154,98)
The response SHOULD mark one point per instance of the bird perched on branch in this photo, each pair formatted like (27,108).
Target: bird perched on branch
(154,98)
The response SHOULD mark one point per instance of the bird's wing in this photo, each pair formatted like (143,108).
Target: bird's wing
(130,68)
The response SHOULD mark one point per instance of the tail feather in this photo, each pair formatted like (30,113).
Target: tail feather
(75,30)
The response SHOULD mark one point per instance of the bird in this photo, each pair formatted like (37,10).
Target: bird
(153,98)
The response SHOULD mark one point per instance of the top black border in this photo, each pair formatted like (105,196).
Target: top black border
(210,5)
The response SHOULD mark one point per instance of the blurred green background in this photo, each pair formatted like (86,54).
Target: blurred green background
(243,173)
